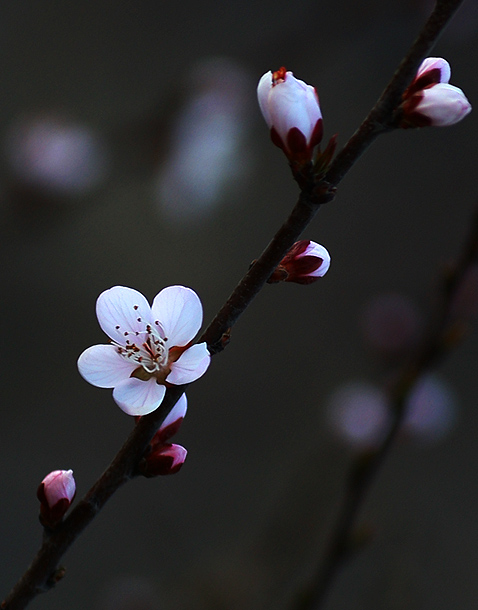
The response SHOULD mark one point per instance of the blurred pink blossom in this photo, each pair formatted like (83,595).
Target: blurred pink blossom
(391,324)
(55,154)
(359,414)
(431,410)
(207,158)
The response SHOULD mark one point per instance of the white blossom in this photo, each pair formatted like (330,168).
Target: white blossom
(150,346)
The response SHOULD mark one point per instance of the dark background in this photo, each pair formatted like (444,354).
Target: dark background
(243,520)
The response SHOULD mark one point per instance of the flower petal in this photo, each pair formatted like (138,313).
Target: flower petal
(136,397)
(122,311)
(177,412)
(165,459)
(177,310)
(318,251)
(432,71)
(171,458)
(104,367)
(263,91)
(444,105)
(190,366)
(293,103)
(438,64)
(59,485)
(172,423)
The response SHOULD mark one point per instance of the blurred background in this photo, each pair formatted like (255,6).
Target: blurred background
(133,152)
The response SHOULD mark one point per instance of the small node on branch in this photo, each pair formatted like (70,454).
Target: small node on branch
(57,575)
(226,338)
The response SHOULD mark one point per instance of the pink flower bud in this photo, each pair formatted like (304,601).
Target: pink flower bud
(291,110)
(439,106)
(359,414)
(56,493)
(164,459)
(430,100)
(172,422)
(305,262)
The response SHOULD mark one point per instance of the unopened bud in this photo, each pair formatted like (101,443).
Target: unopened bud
(432,70)
(291,110)
(305,262)
(56,493)
(165,458)
(171,423)
(431,100)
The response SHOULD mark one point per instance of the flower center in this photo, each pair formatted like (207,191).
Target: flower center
(147,348)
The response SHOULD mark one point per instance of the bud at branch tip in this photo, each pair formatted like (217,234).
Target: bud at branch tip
(430,100)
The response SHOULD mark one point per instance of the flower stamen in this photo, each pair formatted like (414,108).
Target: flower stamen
(151,355)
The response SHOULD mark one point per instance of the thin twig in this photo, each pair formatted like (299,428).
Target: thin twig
(383,117)
(439,341)
(42,573)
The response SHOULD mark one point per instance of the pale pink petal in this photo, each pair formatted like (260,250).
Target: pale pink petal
(177,453)
(293,103)
(104,367)
(435,63)
(59,485)
(315,249)
(263,91)
(122,312)
(171,424)
(177,412)
(443,104)
(177,310)
(190,366)
(136,397)
(165,459)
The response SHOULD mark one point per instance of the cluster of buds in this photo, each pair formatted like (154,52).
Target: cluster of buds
(57,490)
(291,109)
(162,457)
(56,493)
(305,262)
(431,100)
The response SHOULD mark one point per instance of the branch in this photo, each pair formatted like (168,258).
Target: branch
(43,573)
(444,334)
(382,116)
